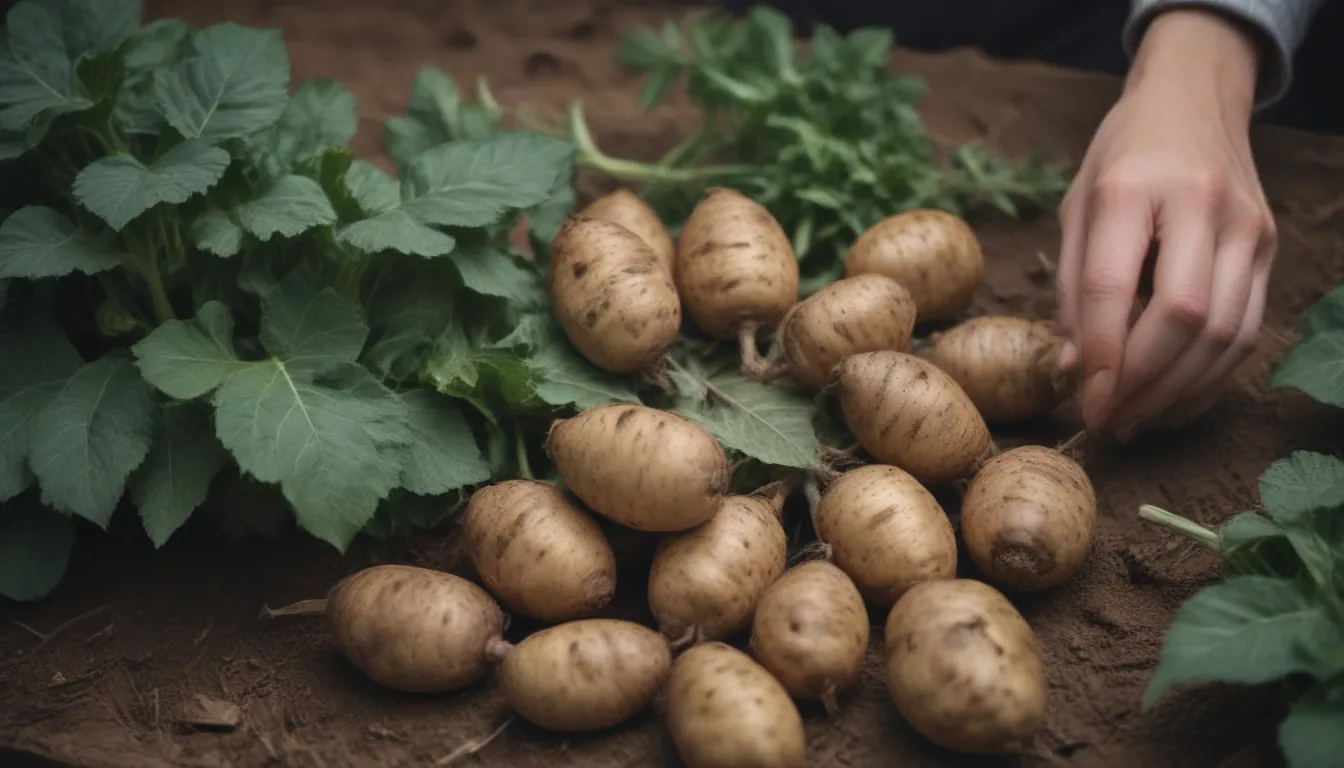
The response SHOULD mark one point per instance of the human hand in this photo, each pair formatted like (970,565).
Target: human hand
(1170,168)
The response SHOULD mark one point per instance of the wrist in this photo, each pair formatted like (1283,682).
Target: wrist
(1202,53)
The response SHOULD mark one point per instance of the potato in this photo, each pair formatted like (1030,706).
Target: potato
(1008,366)
(933,253)
(857,314)
(886,531)
(907,412)
(811,632)
(1028,518)
(616,303)
(537,552)
(964,668)
(707,580)
(641,467)
(585,675)
(413,629)
(630,211)
(735,270)
(726,711)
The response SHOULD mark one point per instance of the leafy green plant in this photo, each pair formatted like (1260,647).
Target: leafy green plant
(1280,615)
(1314,365)
(830,142)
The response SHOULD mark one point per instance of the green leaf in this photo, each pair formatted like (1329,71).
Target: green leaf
(185,359)
(120,188)
(216,232)
(320,114)
(457,367)
(430,117)
(408,309)
(1253,544)
(1311,736)
(1247,629)
(99,26)
(1327,314)
(157,45)
(374,190)
(443,455)
(472,183)
(37,242)
(756,420)
(307,324)
(561,376)
(1299,484)
(39,360)
(235,83)
(490,271)
(89,437)
(35,545)
(182,462)
(37,71)
(396,230)
(288,206)
(1314,366)
(334,439)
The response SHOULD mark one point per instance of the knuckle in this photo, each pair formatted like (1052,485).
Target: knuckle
(1184,310)
(1269,236)
(1221,335)
(1205,184)
(1115,187)
(1246,342)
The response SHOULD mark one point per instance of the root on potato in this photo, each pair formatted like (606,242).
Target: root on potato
(629,210)
(1028,518)
(616,303)
(537,552)
(934,254)
(1008,366)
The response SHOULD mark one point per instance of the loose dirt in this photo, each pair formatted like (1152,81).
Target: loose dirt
(145,659)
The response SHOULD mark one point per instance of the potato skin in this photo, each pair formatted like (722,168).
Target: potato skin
(886,531)
(856,314)
(630,211)
(811,631)
(537,552)
(735,265)
(710,577)
(1007,366)
(726,711)
(616,303)
(585,675)
(1028,518)
(964,668)
(644,468)
(933,253)
(413,629)
(908,412)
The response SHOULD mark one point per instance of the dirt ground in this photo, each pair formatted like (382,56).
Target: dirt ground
(143,634)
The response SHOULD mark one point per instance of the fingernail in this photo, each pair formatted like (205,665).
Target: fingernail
(1096,398)
(1068,356)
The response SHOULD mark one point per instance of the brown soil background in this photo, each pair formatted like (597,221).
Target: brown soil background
(109,688)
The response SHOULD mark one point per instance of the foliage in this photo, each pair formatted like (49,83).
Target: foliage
(1315,364)
(1281,613)
(207,304)
(830,142)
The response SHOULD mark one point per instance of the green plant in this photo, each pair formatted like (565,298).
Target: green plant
(830,142)
(1280,615)
(1314,365)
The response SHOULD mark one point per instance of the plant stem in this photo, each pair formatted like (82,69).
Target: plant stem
(1188,528)
(520,449)
(163,308)
(590,157)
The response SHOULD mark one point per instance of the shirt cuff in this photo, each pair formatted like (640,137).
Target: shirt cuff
(1279,26)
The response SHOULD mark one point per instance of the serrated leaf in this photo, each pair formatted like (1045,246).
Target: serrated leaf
(471,183)
(396,230)
(408,309)
(37,71)
(456,367)
(372,189)
(1247,629)
(756,420)
(1301,483)
(99,26)
(216,232)
(288,206)
(307,324)
(120,188)
(38,361)
(443,455)
(321,113)
(155,46)
(334,439)
(235,83)
(185,359)
(37,242)
(183,460)
(1327,314)
(437,114)
(561,376)
(1311,736)
(89,437)
(490,271)
(35,545)
(1314,366)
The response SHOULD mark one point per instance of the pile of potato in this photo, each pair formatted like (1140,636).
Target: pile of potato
(962,665)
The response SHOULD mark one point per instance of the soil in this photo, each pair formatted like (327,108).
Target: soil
(145,659)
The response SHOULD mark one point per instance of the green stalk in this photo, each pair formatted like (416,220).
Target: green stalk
(589,156)
(158,295)
(520,450)
(1188,528)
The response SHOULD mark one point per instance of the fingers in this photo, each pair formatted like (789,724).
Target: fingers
(1209,385)
(1121,229)
(1073,237)
(1215,340)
